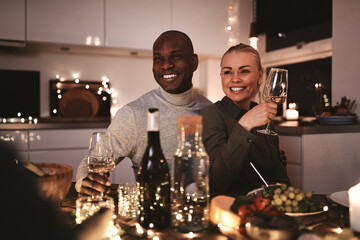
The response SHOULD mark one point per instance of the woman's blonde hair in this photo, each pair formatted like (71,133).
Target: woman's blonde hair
(244,48)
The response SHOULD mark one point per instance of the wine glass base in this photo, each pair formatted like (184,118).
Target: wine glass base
(267,132)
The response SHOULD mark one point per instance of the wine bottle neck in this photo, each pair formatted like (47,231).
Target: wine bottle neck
(153,121)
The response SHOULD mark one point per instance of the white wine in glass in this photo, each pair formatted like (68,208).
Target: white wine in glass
(101,155)
(275,90)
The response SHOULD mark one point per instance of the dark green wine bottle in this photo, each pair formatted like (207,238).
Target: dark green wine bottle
(154,180)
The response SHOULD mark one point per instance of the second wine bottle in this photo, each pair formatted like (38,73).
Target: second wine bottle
(154,180)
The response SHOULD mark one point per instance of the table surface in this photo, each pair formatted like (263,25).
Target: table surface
(321,224)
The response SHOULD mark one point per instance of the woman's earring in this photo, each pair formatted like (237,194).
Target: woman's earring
(259,83)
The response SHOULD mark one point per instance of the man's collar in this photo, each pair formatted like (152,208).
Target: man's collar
(181,99)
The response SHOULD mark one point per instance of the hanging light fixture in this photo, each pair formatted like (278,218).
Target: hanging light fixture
(253,37)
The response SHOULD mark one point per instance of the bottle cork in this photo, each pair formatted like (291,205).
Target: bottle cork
(191,123)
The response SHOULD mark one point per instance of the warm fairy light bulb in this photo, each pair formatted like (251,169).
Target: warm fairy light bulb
(76,75)
(97,41)
(57,76)
(105,79)
(228,28)
(88,40)
(230,19)
(77,80)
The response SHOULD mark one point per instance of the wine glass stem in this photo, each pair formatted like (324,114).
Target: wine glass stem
(267,130)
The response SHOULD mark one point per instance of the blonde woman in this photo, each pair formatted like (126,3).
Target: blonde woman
(229,128)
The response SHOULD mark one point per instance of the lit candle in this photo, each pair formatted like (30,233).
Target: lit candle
(292,113)
(354,207)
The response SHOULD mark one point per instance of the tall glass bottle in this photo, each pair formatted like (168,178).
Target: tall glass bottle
(154,180)
(190,189)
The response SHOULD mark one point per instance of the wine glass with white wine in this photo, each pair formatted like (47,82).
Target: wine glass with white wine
(101,155)
(275,90)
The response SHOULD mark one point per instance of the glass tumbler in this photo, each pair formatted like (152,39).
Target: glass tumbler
(128,203)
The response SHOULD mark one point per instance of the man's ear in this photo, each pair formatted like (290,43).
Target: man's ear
(195,62)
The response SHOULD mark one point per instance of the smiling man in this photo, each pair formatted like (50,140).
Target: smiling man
(174,62)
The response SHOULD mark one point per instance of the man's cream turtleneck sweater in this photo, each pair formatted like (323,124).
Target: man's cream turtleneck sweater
(129,132)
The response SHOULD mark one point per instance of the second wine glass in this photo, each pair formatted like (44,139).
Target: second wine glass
(275,90)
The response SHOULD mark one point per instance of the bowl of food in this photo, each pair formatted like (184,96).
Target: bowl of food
(53,179)
(265,213)
(341,113)
(255,218)
(290,200)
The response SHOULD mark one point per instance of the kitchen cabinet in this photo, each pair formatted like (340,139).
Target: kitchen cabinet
(205,22)
(71,22)
(67,146)
(292,147)
(12,20)
(17,141)
(322,163)
(136,23)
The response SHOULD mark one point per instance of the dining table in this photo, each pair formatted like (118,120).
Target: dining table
(330,222)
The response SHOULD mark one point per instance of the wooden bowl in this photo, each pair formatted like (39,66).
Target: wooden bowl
(57,183)
(78,102)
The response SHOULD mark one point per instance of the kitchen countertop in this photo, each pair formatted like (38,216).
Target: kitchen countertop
(283,128)
(304,128)
(55,124)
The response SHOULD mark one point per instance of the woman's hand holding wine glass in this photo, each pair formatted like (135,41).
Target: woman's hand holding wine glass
(275,90)
(101,155)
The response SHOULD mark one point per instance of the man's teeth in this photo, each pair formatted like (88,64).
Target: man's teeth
(169,76)
(237,89)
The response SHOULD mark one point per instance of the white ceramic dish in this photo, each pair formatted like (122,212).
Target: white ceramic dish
(341,197)
(304,214)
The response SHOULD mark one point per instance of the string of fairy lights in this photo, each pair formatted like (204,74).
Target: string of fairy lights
(232,26)
(232,22)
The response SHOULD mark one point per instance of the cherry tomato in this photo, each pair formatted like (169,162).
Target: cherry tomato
(261,202)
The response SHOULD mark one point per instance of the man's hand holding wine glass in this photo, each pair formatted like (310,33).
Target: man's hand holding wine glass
(100,162)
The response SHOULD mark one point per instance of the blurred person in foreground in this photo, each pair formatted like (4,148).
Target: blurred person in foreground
(26,214)
(174,62)
(229,128)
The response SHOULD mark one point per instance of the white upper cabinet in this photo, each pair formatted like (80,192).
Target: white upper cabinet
(136,23)
(66,21)
(127,24)
(204,21)
(12,20)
